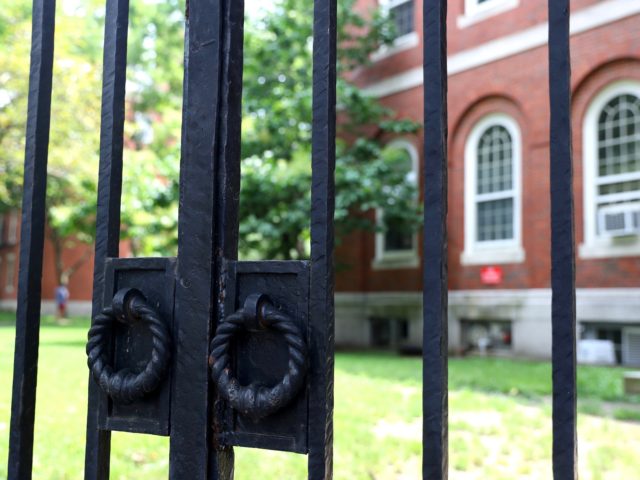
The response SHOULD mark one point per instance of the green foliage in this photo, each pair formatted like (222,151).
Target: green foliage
(14,31)
(73,144)
(276,131)
(154,103)
(276,142)
(75,125)
(632,414)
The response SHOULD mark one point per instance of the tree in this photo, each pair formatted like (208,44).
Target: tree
(14,32)
(276,138)
(276,133)
(74,138)
(72,169)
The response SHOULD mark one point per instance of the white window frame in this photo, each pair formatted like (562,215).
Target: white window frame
(495,251)
(395,259)
(475,11)
(9,285)
(594,245)
(401,43)
(626,352)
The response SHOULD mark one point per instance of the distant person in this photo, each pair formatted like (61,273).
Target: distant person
(62,296)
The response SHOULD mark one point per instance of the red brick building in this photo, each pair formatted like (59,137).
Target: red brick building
(80,283)
(499,236)
(499,221)
(9,236)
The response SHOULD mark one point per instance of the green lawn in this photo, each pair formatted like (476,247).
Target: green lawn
(499,419)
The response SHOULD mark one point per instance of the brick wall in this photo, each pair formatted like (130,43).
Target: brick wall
(80,283)
(517,86)
(529,13)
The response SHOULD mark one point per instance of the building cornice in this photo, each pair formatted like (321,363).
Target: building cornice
(586,19)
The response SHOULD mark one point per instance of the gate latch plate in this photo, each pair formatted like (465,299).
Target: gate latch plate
(261,356)
(132,344)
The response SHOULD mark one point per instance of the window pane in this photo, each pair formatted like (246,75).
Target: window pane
(402,16)
(618,152)
(399,234)
(619,136)
(619,187)
(495,220)
(495,161)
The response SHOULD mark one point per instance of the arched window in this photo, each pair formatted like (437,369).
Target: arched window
(396,247)
(492,192)
(612,172)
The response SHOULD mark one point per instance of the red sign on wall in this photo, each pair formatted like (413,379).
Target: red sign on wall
(491,275)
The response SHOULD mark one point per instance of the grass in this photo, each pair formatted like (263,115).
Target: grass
(500,419)
(627,414)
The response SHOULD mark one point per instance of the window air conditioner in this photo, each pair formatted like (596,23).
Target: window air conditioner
(619,220)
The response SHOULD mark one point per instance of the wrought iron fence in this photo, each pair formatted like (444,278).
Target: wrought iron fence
(200,395)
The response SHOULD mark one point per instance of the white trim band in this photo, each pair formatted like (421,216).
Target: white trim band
(605,298)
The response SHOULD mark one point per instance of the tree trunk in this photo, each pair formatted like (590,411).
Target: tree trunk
(64,274)
(58,248)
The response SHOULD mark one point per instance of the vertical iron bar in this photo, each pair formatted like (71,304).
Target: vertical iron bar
(25,367)
(435,342)
(562,245)
(207,228)
(322,242)
(226,210)
(108,211)
(194,308)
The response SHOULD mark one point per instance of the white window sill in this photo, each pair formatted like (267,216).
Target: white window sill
(400,44)
(481,13)
(396,260)
(493,256)
(611,248)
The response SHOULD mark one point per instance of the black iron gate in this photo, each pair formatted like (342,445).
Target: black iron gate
(176,344)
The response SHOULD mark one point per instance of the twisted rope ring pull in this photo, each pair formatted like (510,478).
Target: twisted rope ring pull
(254,400)
(125,386)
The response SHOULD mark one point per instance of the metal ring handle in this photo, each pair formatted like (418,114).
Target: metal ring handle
(125,386)
(258,401)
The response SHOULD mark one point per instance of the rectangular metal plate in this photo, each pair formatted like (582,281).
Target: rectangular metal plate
(262,356)
(132,345)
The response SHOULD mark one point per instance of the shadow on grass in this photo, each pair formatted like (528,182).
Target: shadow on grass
(508,376)
(600,389)
(64,343)
(8,319)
